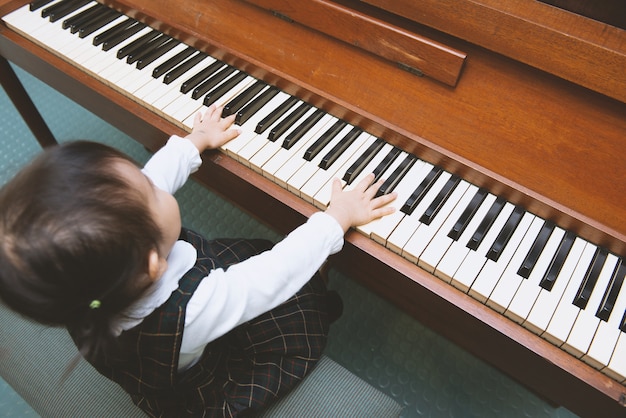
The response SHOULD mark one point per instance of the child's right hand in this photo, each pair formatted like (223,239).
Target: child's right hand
(359,205)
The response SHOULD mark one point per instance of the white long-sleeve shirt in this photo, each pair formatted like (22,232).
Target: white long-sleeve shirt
(226,299)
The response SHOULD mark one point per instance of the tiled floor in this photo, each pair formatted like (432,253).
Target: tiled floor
(424,372)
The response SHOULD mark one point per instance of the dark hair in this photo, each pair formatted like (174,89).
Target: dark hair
(72,231)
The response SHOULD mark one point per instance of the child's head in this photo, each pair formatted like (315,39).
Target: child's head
(81,224)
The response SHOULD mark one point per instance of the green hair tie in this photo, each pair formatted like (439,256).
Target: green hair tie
(95,304)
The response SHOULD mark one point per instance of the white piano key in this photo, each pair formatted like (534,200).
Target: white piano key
(323,179)
(566,312)
(54,36)
(425,233)
(587,322)
(547,301)
(24,21)
(475,260)
(607,334)
(457,251)
(528,290)
(616,368)
(382,228)
(409,224)
(272,147)
(508,284)
(493,271)
(85,51)
(438,246)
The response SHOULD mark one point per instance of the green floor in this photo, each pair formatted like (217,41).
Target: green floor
(424,372)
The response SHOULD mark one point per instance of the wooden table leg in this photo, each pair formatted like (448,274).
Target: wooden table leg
(24,105)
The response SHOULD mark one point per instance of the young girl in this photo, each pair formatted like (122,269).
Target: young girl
(90,242)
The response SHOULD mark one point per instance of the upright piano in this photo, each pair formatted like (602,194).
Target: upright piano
(501,125)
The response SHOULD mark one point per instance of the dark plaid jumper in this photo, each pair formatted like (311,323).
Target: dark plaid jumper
(239,373)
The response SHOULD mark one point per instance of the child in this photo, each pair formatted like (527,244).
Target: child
(185,325)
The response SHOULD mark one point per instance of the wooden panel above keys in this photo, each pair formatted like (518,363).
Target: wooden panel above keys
(377,32)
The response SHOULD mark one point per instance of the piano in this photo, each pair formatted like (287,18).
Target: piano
(501,127)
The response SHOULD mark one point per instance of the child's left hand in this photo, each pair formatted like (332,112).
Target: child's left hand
(211,130)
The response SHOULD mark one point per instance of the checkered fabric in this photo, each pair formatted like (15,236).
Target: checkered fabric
(240,373)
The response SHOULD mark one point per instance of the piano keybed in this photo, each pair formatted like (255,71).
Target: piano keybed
(552,282)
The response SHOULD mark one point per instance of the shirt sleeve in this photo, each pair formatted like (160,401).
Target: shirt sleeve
(226,299)
(170,167)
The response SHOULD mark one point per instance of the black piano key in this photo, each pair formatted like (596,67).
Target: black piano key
(282,126)
(208,84)
(622,324)
(459,227)
(137,44)
(213,68)
(590,279)
(324,139)
(242,98)
(172,62)
(223,88)
(549,278)
(386,163)
(505,234)
(357,167)
(535,251)
(339,148)
(60,10)
(443,195)
(295,135)
(418,194)
(182,67)
(398,174)
(485,224)
(158,52)
(38,4)
(255,105)
(115,30)
(612,290)
(147,49)
(98,23)
(80,18)
(275,114)
(120,37)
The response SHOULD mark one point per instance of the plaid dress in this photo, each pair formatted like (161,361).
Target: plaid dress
(238,374)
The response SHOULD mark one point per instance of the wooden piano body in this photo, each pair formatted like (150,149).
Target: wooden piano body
(544,128)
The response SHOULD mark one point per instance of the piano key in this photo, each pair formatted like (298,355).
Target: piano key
(459,227)
(207,79)
(612,292)
(418,194)
(434,208)
(371,166)
(287,122)
(549,279)
(398,174)
(536,249)
(295,135)
(188,66)
(476,259)
(170,63)
(47,10)
(148,49)
(357,167)
(80,18)
(108,66)
(122,36)
(241,100)
(591,277)
(339,148)
(254,106)
(454,256)
(529,288)
(157,53)
(547,300)
(584,329)
(485,225)
(99,23)
(83,50)
(565,313)
(616,368)
(226,89)
(383,227)
(510,281)
(324,139)
(409,224)
(438,246)
(493,270)
(423,237)
(501,241)
(36,4)
(276,114)
(62,9)
(389,159)
(53,36)
(115,30)
(21,20)
(137,44)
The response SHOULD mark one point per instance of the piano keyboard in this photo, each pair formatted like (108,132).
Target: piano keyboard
(554,283)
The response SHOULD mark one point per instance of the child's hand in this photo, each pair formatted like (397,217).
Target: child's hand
(359,206)
(211,130)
